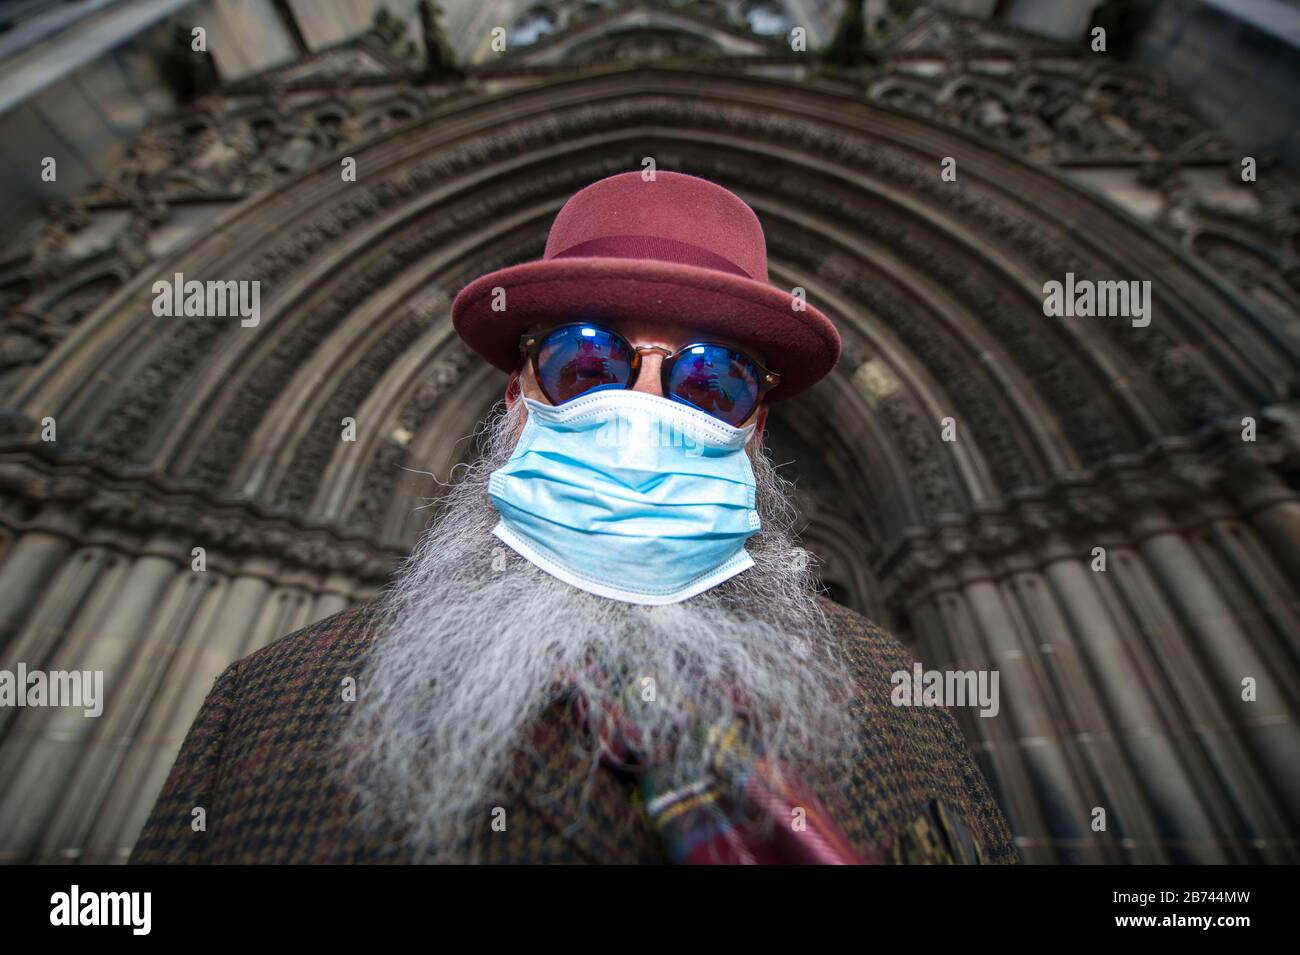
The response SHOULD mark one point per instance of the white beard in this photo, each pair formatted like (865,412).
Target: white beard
(472,639)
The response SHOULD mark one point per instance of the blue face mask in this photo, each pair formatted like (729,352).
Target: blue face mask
(628,495)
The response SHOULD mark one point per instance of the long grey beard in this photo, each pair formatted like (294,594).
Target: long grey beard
(473,640)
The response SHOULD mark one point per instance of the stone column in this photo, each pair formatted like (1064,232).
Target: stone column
(1274,512)
(945,632)
(83,588)
(335,595)
(1123,731)
(957,619)
(51,741)
(82,799)
(1026,708)
(34,558)
(1266,776)
(127,801)
(217,638)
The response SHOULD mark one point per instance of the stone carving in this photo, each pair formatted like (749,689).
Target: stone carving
(439,61)
(138,513)
(367,514)
(848,46)
(1078,510)
(51,257)
(915,438)
(1051,114)
(25,338)
(1182,375)
(1044,105)
(221,453)
(394,34)
(641,45)
(318,447)
(231,143)
(981,407)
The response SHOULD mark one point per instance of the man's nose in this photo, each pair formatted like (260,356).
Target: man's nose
(648,378)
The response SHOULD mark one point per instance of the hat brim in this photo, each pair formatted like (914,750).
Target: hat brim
(800,344)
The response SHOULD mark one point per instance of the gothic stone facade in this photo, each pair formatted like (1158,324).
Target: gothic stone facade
(1122,688)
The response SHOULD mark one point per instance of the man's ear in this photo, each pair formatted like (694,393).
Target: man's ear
(760,420)
(512,390)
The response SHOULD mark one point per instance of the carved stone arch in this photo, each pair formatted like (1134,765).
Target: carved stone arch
(365,323)
(394,195)
(880,368)
(330,112)
(856,495)
(841,571)
(912,94)
(303,474)
(80,295)
(1258,270)
(446,438)
(916,315)
(1265,258)
(377,403)
(441,413)
(390,112)
(1077,432)
(707,8)
(1045,80)
(635,42)
(797,432)
(979,84)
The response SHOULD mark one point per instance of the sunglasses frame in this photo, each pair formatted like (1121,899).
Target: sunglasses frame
(530,344)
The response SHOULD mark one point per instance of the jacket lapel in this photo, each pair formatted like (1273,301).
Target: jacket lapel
(590,806)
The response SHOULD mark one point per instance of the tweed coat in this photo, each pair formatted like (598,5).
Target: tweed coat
(256,759)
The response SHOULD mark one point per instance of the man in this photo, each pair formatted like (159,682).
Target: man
(607,647)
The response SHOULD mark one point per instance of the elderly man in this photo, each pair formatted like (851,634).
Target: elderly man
(607,646)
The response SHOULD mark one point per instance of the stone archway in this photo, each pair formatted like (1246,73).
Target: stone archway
(1121,689)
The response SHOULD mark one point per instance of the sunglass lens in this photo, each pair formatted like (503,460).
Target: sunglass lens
(576,359)
(716,379)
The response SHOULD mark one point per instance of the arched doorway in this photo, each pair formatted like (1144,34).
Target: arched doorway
(959,470)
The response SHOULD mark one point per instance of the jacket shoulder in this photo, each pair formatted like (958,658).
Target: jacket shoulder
(914,776)
(338,639)
(865,642)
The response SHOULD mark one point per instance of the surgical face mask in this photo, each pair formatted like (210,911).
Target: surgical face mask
(628,495)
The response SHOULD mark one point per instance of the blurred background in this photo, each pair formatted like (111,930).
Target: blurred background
(1168,155)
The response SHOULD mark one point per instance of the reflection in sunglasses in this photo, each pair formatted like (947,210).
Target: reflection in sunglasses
(717,379)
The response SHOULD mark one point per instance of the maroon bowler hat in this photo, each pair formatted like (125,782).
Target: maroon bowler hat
(678,249)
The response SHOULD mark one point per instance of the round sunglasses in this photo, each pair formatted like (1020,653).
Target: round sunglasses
(581,358)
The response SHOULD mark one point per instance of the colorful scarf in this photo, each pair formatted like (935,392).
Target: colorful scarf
(743,808)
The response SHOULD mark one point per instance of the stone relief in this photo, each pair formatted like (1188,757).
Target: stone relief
(235,142)
(1179,370)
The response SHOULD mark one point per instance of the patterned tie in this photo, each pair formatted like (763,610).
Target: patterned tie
(742,808)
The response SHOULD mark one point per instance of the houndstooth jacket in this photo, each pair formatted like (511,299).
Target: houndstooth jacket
(257,760)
